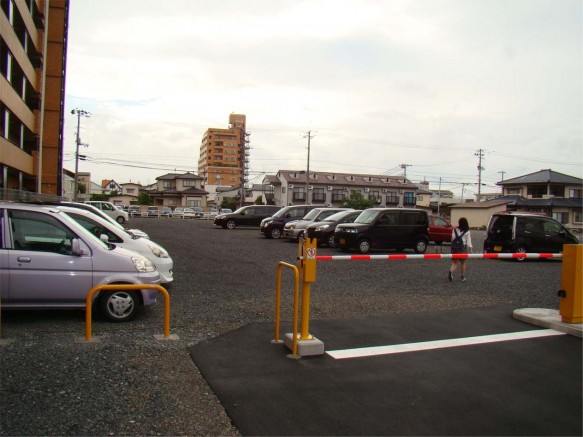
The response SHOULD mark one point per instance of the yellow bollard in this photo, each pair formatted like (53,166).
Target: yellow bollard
(571,293)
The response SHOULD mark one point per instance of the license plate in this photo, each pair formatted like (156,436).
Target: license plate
(342,241)
(497,248)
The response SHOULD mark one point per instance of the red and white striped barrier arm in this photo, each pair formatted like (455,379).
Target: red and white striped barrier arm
(438,256)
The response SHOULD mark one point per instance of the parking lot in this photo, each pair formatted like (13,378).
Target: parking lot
(129,383)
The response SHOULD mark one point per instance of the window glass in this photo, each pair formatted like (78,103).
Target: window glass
(366,217)
(440,222)
(389,218)
(39,232)
(551,227)
(95,228)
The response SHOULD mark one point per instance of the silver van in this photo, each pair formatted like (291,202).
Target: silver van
(47,260)
(111,210)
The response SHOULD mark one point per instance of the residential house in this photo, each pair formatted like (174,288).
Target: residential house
(293,187)
(184,190)
(108,186)
(554,194)
(128,194)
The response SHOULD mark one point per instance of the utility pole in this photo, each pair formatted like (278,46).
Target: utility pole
(404,167)
(79,112)
(439,197)
(463,187)
(480,154)
(309,137)
(502,173)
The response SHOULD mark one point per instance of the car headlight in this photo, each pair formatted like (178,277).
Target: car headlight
(158,251)
(290,226)
(322,228)
(143,265)
(266,222)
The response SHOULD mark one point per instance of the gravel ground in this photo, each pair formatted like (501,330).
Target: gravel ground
(130,384)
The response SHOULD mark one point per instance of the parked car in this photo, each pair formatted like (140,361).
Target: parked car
(272,227)
(385,228)
(296,229)
(111,210)
(153,211)
(98,212)
(189,213)
(198,211)
(225,211)
(49,261)
(324,231)
(178,212)
(245,216)
(166,211)
(439,229)
(134,210)
(518,232)
(108,233)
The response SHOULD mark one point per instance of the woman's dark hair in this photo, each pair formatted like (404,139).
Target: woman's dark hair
(463,224)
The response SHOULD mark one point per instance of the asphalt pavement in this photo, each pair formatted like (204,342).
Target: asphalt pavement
(128,383)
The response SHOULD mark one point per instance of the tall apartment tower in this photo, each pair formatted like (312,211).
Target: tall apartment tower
(224,154)
(33,50)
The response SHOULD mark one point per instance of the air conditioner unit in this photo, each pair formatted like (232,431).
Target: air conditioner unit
(401,191)
(310,187)
(345,188)
(291,185)
(366,190)
(329,188)
(384,190)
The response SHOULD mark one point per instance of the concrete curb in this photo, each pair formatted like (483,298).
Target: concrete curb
(547,318)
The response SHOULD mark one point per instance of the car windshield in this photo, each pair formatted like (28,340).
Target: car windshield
(81,230)
(312,214)
(367,216)
(281,213)
(337,216)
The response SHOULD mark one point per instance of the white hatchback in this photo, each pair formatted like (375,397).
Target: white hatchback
(109,233)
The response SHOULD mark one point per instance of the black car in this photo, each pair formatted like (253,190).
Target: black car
(245,216)
(522,233)
(272,227)
(385,228)
(324,231)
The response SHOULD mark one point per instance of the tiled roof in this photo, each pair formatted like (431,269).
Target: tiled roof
(174,176)
(542,177)
(347,179)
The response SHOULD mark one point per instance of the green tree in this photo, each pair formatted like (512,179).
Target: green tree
(229,202)
(259,200)
(357,201)
(145,199)
(101,197)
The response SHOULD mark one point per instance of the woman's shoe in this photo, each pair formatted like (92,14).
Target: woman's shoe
(450,275)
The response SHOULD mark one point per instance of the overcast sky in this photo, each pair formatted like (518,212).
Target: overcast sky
(378,83)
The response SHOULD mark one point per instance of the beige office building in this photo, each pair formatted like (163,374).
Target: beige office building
(33,49)
(224,154)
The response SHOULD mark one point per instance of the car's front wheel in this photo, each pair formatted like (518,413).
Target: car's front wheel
(231,224)
(275,233)
(420,246)
(120,220)
(330,241)
(119,306)
(364,246)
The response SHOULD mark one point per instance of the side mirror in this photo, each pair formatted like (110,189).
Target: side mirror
(288,215)
(76,248)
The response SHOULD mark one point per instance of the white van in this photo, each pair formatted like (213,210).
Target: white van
(48,260)
(111,210)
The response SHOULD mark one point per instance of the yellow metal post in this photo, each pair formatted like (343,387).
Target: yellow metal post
(309,276)
(571,303)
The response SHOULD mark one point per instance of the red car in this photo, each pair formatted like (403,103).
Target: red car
(439,229)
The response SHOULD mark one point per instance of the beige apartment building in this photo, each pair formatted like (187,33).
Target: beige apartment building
(224,154)
(33,48)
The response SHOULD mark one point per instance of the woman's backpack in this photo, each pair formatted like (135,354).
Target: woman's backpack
(457,244)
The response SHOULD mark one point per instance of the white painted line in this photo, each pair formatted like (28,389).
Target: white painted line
(439,344)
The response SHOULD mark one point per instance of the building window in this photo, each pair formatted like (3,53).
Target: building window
(514,191)
(318,195)
(561,217)
(375,196)
(392,198)
(299,194)
(192,203)
(575,194)
(166,184)
(188,183)
(578,217)
(536,192)
(130,190)
(338,195)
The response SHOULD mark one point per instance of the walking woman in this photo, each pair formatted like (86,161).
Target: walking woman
(461,242)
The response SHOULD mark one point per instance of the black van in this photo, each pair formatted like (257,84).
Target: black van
(385,228)
(517,232)
(272,227)
(245,216)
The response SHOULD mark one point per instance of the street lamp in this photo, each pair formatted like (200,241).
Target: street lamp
(79,112)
